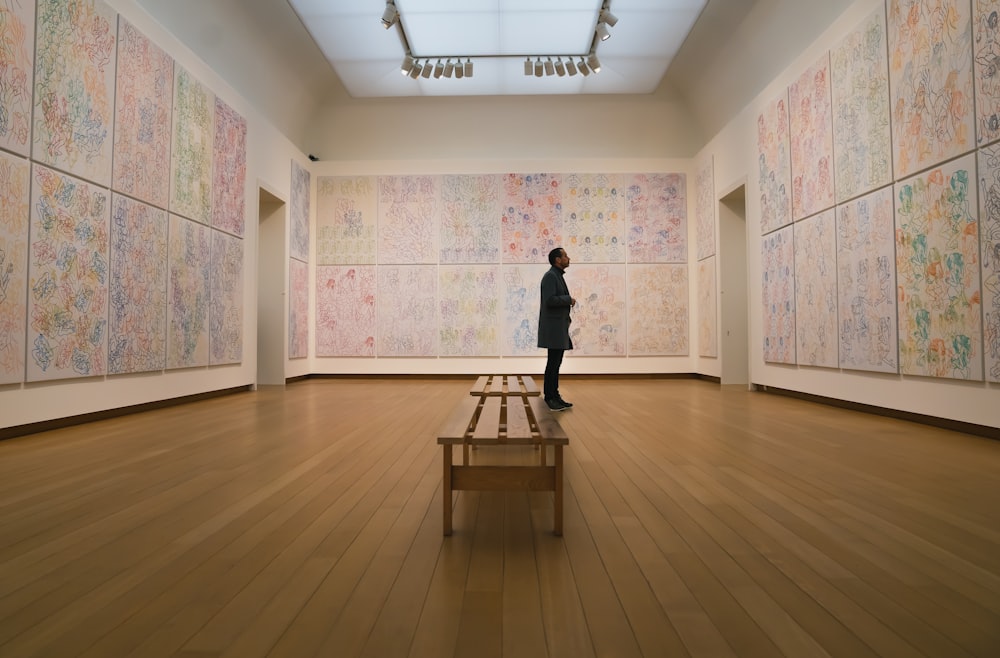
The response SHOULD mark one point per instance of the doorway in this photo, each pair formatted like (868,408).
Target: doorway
(734,288)
(271,307)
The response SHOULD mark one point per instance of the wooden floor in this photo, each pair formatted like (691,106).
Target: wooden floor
(306,521)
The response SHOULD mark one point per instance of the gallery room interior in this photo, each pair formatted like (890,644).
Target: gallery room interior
(253,253)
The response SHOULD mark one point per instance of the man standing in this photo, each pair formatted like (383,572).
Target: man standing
(553,325)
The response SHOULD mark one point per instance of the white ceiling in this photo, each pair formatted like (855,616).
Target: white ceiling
(496,36)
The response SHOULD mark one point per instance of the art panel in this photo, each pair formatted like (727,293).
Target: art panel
(298,309)
(866,283)
(658,310)
(470,209)
(705,208)
(345,310)
(708,323)
(989,196)
(407,310)
(521,298)
(67,277)
(188,279)
(14,213)
(74,87)
(656,211)
(862,140)
(986,68)
(225,316)
(593,217)
(229,170)
(469,318)
(17,65)
(931,82)
(192,147)
(598,327)
(531,221)
(347,220)
(816,291)
(774,170)
(408,208)
(811,125)
(778,296)
(299,212)
(138,308)
(937,269)
(144,95)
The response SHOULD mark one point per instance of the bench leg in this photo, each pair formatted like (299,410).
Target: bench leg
(558,494)
(446,489)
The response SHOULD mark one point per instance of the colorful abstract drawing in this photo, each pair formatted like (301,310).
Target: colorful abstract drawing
(144,95)
(708,323)
(816,291)
(862,140)
(778,296)
(811,124)
(225,315)
(598,327)
(346,220)
(193,144)
(937,269)
(705,208)
(989,203)
(229,170)
(299,212)
(14,213)
(774,170)
(658,310)
(930,78)
(531,216)
(521,297)
(470,207)
(68,277)
(298,309)
(469,318)
(866,283)
(656,211)
(408,209)
(74,87)
(407,310)
(138,308)
(17,65)
(188,279)
(593,217)
(345,310)
(986,68)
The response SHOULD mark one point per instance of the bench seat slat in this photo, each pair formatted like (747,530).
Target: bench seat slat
(479,388)
(518,426)
(458,423)
(530,388)
(488,425)
(548,426)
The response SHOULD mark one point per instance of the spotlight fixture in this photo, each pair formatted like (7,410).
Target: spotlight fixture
(538,67)
(468,67)
(602,32)
(582,66)
(427,70)
(570,66)
(560,67)
(449,68)
(459,70)
(415,71)
(608,17)
(549,67)
(529,68)
(438,69)
(390,15)
(594,63)
(407,65)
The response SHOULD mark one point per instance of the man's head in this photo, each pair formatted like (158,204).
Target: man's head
(558,258)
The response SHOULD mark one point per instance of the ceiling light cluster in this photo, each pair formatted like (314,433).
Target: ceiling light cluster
(534,65)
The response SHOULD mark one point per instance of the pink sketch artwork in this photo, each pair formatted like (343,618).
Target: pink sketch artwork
(138,313)
(866,283)
(74,87)
(144,95)
(708,324)
(986,68)
(778,296)
(225,315)
(773,165)
(520,297)
(408,209)
(705,208)
(68,277)
(593,217)
(192,146)
(937,269)
(531,218)
(17,52)
(656,213)
(598,327)
(346,220)
(229,170)
(188,280)
(407,310)
(298,309)
(469,319)
(989,203)
(301,181)
(470,232)
(14,205)
(930,78)
(658,310)
(345,310)
(816,291)
(811,125)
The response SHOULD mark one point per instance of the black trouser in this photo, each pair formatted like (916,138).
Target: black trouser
(552,374)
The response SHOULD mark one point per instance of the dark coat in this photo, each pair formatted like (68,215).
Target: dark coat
(553,312)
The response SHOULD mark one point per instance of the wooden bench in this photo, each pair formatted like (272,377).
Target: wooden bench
(503,411)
